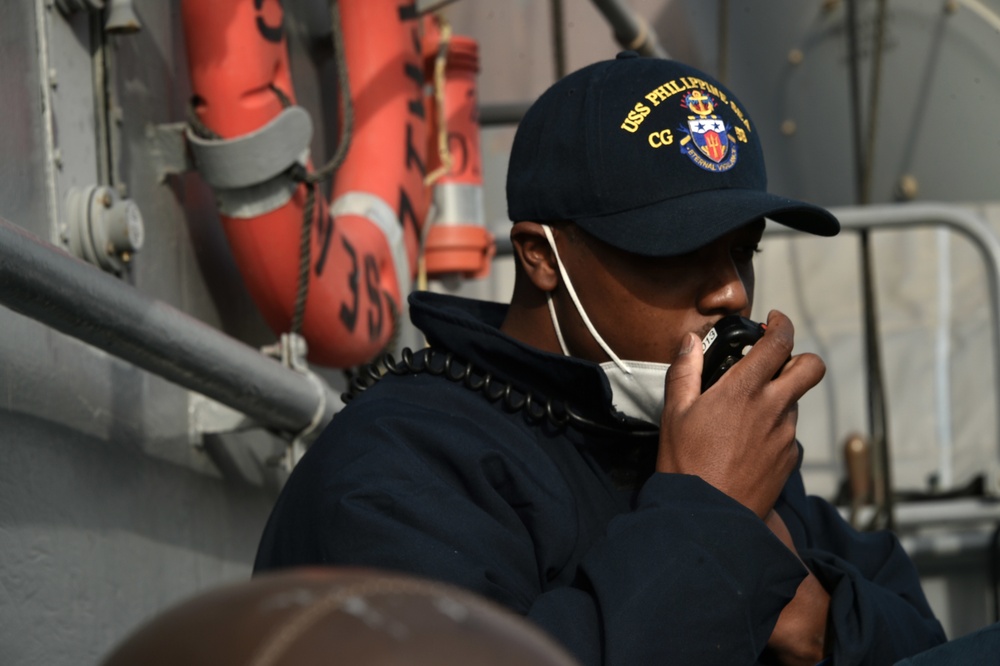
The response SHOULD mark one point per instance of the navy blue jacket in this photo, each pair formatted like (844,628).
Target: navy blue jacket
(436,473)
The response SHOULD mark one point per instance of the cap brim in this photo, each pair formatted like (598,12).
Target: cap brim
(684,224)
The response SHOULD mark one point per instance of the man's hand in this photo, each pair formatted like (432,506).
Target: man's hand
(739,435)
(799,637)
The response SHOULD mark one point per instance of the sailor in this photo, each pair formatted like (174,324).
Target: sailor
(557,454)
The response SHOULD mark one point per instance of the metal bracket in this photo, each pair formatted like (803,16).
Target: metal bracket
(171,155)
(168,150)
(256,157)
(242,449)
(208,417)
(291,349)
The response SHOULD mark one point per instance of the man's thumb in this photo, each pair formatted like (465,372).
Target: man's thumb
(684,376)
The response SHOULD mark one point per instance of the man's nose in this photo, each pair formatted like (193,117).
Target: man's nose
(725,291)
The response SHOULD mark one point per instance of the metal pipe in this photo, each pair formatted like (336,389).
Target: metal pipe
(43,282)
(558,38)
(942,359)
(955,513)
(864,148)
(946,545)
(631,30)
(502,114)
(723,40)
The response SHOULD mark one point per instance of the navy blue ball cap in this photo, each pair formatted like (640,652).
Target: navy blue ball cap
(651,156)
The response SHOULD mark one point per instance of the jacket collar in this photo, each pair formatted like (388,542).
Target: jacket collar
(471,330)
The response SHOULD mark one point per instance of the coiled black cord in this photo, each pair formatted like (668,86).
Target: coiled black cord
(446,364)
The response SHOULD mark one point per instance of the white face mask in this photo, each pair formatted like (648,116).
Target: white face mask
(637,387)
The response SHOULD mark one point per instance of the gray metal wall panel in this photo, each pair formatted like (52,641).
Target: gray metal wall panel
(108,514)
(23,193)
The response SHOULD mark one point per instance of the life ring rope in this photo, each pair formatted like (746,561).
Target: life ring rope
(440,63)
(311,180)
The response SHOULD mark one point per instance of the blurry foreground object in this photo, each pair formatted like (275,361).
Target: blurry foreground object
(314,616)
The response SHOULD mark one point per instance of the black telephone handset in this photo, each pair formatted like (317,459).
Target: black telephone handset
(728,342)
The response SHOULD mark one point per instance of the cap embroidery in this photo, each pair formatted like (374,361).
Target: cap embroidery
(710,142)
(709,134)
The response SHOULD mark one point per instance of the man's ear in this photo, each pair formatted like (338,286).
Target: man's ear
(535,255)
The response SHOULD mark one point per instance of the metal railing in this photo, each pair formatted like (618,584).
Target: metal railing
(913,215)
(43,282)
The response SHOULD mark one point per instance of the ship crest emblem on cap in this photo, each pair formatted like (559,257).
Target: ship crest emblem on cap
(707,143)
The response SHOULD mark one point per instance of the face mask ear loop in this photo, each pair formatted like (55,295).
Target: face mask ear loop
(555,323)
(579,308)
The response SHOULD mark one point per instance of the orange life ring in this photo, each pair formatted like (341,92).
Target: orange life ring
(364,244)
